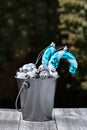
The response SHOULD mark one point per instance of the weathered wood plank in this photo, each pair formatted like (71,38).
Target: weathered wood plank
(68,128)
(72,127)
(70,112)
(83,111)
(9,119)
(28,125)
(71,119)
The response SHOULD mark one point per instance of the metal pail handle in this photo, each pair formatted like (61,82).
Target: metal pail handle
(24,85)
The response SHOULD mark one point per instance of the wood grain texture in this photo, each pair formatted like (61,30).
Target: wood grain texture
(63,119)
(28,125)
(9,119)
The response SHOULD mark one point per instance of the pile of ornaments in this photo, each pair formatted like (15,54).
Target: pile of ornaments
(30,71)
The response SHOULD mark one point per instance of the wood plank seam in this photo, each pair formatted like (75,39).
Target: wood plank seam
(19,122)
(55,121)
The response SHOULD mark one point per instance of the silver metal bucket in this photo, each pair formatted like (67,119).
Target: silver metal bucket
(36,98)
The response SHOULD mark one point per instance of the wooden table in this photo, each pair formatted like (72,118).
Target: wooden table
(62,119)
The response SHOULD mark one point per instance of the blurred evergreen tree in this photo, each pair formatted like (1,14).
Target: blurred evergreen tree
(73,32)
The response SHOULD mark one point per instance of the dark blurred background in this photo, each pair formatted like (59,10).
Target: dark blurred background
(26,28)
